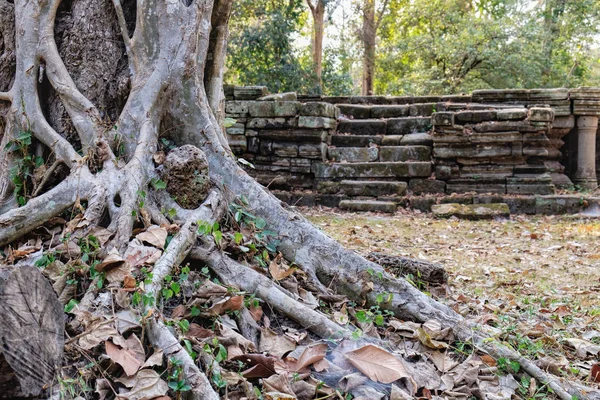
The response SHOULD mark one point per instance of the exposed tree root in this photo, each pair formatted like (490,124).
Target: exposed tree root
(162,338)
(248,280)
(39,210)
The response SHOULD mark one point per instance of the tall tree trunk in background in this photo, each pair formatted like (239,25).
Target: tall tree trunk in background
(318,13)
(371,23)
(553,11)
(368,38)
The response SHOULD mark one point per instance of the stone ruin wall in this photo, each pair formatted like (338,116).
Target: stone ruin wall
(379,152)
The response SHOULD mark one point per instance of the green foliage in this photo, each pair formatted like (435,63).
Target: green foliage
(177,378)
(261,242)
(25,163)
(423,46)
(263,50)
(443,46)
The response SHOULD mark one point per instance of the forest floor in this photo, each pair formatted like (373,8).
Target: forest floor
(535,278)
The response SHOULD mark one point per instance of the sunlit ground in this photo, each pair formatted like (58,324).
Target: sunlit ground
(537,277)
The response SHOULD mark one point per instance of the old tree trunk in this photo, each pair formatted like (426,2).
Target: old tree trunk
(104,108)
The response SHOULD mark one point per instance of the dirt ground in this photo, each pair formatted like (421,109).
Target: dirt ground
(535,278)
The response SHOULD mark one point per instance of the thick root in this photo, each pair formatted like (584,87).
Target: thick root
(161,337)
(37,211)
(250,281)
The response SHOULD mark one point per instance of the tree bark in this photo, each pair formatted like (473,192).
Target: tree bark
(318,13)
(215,61)
(31,332)
(369,33)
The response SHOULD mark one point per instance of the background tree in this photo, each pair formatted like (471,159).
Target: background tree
(457,46)
(264,50)
(319,9)
(371,22)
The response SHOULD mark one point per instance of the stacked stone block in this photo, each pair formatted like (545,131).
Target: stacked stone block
(495,151)
(282,139)
(367,152)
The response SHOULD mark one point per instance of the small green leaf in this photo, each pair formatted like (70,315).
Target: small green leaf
(158,184)
(70,305)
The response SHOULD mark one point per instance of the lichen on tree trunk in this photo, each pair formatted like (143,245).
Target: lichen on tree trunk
(69,102)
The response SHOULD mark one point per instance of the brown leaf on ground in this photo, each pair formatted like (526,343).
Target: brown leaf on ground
(127,320)
(256,311)
(146,384)
(278,383)
(228,336)
(137,254)
(102,234)
(97,334)
(311,355)
(227,304)
(279,272)
(112,260)
(321,365)
(155,236)
(156,359)
(209,289)
(377,364)
(399,394)
(426,340)
(261,366)
(304,390)
(128,353)
(595,373)
(583,347)
(119,273)
(196,331)
(178,312)
(272,343)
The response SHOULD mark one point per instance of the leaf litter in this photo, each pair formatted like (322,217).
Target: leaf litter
(532,280)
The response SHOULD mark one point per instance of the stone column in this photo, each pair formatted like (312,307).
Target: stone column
(586,153)
(586,108)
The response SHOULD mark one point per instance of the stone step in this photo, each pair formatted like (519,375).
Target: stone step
(352,154)
(355,140)
(373,188)
(413,139)
(471,211)
(362,126)
(372,170)
(404,153)
(368,205)
(375,111)
(407,126)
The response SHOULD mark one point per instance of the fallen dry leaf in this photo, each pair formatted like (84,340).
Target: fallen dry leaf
(311,355)
(146,384)
(272,343)
(156,359)
(279,272)
(137,254)
(583,347)
(227,304)
(98,334)
(112,260)
(261,366)
(426,340)
(595,373)
(376,363)
(128,353)
(155,236)
(209,289)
